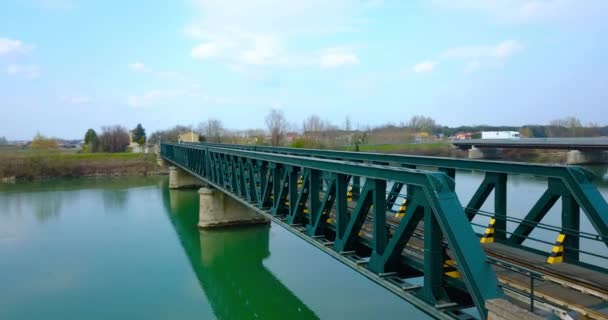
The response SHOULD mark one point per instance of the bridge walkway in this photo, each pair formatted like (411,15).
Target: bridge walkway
(563,287)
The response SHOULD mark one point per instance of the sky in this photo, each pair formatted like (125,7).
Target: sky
(69,65)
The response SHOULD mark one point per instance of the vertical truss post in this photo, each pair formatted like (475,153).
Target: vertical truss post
(276,186)
(500,207)
(341,205)
(433,257)
(571,220)
(379,215)
(356,188)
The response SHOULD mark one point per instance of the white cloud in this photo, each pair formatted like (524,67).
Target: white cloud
(266,50)
(425,66)
(479,56)
(23,71)
(502,50)
(138,67)
(13,47)
(259,32)
(337,57)
(75,99)
(206,50)
(516,11)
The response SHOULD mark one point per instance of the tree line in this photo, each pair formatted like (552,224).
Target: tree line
(113,139)
(314,128)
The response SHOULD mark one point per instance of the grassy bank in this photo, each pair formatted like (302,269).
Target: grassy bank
(28,164)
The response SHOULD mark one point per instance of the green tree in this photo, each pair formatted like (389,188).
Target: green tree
(91,141)
(41,142)
(139,135)
(3,141)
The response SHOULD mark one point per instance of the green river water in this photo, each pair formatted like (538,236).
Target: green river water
(129,248)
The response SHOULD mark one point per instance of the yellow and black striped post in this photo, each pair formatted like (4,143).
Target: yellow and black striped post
(349,194)
(300,181)
(488,235)
(557,253)
(402,209)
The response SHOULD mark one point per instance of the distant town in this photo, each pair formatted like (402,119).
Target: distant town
(313,132)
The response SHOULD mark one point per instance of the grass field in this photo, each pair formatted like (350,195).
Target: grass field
(17,163)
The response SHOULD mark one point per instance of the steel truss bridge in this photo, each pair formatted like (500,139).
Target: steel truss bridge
(407,230)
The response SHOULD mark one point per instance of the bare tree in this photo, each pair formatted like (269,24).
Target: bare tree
(313,124)
(347,124)
(573,124)
(277,126)
(421,123)
(213,130)
(114,139)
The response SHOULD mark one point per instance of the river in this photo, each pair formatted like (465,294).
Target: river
(129,248)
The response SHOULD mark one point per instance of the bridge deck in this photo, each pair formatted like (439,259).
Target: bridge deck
(600,143)
(565,285)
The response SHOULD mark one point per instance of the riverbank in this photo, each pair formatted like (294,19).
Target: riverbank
(445,149)
(34,165)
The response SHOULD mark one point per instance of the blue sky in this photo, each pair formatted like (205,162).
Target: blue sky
(67,65)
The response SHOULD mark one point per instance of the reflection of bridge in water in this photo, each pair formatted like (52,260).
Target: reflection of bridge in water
(229,268)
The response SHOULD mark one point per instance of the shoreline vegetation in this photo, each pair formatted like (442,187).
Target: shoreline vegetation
(22,164)
(17,165)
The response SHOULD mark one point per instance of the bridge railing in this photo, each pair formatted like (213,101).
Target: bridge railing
(292,190)
(573,185)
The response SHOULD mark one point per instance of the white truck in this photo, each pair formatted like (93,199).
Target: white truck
(500,135)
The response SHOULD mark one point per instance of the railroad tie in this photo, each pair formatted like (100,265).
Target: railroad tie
(557,253)
(488,235)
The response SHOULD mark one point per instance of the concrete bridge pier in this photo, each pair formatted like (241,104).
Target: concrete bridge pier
(179,178)
(582,157)
(218,211)
(484,153)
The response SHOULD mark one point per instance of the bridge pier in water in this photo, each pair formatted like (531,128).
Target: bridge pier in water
(583,157)
(180,179)
(484,153)
(218,211)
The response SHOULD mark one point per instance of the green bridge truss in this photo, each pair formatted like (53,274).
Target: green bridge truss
(308,192)
(572,184)
(269,182)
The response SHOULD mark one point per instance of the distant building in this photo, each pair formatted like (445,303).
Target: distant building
(134,146)
(190,136)
(500,135)
(462,136)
